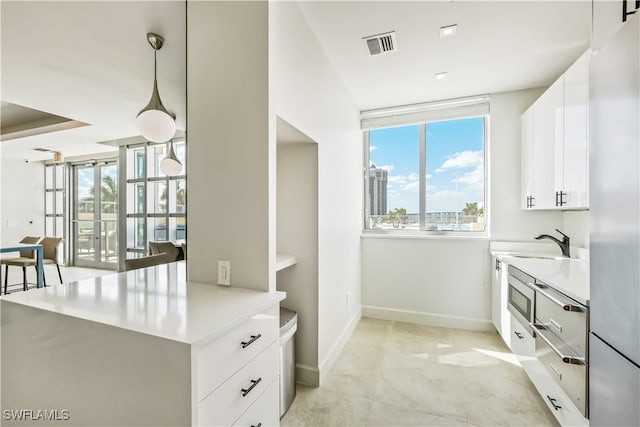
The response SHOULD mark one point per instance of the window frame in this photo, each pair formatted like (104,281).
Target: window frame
(148,183)
(422,149)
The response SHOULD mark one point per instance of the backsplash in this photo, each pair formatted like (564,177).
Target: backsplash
(575,224)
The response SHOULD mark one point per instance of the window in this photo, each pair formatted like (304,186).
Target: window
(54,202)
(428,176)
(155,203)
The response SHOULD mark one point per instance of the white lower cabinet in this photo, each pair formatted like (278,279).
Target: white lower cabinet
(237,375)
(523,344)
(554,397)
(264,412)
(499,287)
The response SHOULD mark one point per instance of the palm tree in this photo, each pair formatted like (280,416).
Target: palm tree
(397,216)
(471,209)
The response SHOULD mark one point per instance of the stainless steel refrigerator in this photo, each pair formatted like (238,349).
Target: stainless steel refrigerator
(614,161)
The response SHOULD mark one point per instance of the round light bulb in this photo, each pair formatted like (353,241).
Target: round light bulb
(170,167)
(156,125)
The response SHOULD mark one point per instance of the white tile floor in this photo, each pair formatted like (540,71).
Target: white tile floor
(69,274)
(401,374)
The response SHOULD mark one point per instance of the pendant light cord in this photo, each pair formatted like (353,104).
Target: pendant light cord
(155,65)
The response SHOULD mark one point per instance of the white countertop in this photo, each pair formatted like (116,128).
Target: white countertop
(156,301)
(568,275)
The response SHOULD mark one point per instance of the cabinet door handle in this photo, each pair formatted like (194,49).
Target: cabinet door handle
(254,383)
(553,403)
(533,201)
(246,344)
(557,203)
(258,425)
(518,334)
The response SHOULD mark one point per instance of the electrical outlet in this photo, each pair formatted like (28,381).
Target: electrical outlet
(224,272)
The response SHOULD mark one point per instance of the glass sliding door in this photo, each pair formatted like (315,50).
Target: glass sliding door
(96,215)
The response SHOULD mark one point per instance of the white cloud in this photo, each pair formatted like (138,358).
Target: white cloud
(387,168)
(372,148)
(405,182)
(463,159)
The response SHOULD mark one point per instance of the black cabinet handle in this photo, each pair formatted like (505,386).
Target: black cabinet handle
(518,334)
(254,383)
(259,425)
(246,344)
(553,403)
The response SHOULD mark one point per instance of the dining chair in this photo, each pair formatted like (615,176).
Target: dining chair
(24,256)
(159,247)
(146,261)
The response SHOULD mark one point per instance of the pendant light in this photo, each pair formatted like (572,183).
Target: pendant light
(170,165)
(155,123)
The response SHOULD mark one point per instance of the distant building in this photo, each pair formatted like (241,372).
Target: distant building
(377,191)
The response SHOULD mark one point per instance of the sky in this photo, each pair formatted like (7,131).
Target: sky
(454,161)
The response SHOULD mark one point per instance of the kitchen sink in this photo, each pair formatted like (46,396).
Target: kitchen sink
(537,256)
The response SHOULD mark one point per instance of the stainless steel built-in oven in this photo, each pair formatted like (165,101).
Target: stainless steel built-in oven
(521,297)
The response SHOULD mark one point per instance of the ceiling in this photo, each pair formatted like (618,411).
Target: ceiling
(499,46)
(89,62)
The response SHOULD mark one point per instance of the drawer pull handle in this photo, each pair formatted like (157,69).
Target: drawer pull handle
(518,334)
(553,403)
(565,305)
(246,344)
(254,383)
(259,425)
(568,359)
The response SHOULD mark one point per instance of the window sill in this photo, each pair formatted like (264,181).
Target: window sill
(427,235)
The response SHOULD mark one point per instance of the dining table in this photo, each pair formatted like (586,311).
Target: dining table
(23,247)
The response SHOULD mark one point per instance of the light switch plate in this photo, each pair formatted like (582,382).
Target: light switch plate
(224,272)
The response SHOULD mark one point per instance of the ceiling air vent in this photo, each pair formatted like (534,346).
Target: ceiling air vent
(381,43)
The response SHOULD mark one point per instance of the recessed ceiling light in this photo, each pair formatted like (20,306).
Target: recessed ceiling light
(448,31)
(440,76)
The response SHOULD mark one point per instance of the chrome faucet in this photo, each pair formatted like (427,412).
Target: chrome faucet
(564,245)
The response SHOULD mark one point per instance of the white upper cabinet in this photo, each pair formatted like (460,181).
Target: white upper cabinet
(574,181)
(527,153)
(555,143)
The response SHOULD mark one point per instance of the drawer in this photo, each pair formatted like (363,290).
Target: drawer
(264,411)
(556,311)
(221,358)
(571,377)
(523,344)
(233,398)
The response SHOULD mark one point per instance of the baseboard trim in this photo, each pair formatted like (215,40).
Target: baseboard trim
(430,319)
(307,375)
(330,359)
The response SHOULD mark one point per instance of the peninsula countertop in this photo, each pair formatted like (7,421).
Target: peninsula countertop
(156,300)
(568,275)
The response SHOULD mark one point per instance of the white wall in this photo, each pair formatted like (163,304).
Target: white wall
(446,281)
(575,224)
(308,93)
(22,200)
(297,233)
(231,151)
